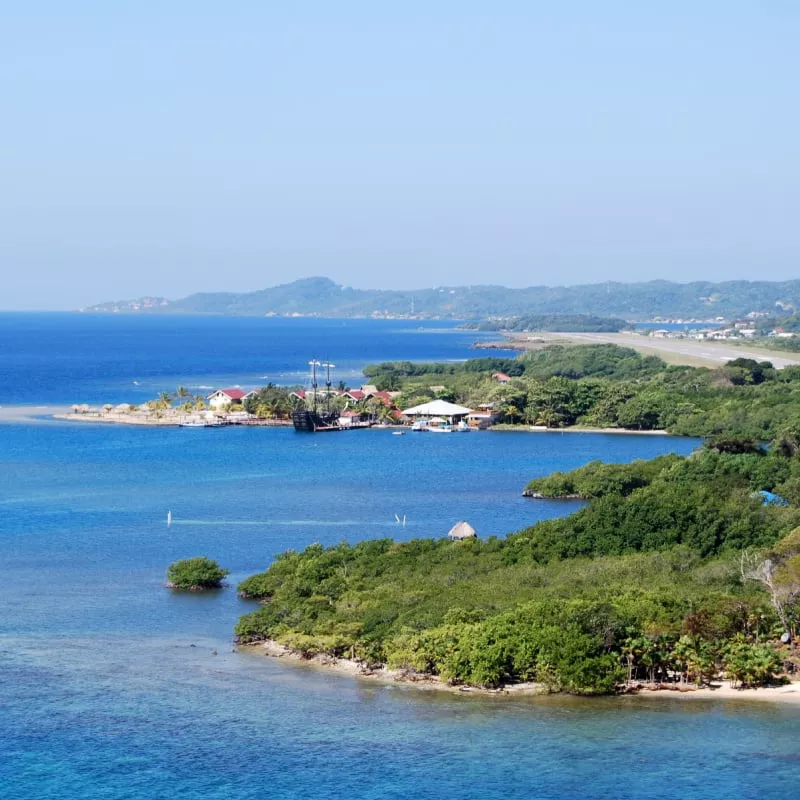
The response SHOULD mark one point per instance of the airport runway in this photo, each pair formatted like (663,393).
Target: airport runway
(674,351)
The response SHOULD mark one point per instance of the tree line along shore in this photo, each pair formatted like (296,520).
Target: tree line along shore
(557,387)
(678,572)
(605,386)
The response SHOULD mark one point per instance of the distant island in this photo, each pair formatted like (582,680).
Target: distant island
(323,297)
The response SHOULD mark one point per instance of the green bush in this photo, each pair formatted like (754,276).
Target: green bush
(748,665)
(195,574)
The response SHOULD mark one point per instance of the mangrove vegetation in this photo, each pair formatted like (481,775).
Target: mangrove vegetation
(678,570)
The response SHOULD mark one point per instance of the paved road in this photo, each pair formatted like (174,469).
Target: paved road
(676,351)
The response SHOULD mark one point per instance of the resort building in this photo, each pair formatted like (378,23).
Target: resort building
(438,408)
(484,416)
(384,397)
(501,377)
(225,397)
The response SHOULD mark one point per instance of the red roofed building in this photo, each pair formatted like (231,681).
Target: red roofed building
(225,397)
(501,377)
(384,397)
(354,394)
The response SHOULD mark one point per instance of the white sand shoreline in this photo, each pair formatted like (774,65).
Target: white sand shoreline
(722,690)
(119,419)
(578,429)
(31,413)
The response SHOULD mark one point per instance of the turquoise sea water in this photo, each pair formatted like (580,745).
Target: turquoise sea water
(109,687)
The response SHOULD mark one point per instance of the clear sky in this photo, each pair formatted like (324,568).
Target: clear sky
(173,146)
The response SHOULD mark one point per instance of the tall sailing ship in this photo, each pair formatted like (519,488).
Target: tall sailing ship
(318,419)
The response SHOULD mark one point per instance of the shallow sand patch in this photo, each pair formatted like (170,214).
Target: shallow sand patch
(28,413)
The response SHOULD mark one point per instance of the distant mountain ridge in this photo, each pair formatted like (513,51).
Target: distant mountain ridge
(632,301)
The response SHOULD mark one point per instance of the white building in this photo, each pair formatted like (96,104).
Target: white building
(225,397)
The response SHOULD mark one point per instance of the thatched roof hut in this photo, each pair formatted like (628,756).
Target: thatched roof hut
(462,530)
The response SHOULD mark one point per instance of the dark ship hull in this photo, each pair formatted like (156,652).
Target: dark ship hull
(313,422)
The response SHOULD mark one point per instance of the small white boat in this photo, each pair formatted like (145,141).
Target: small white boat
(462,427)
(398,433)
(420,425)
(446,428)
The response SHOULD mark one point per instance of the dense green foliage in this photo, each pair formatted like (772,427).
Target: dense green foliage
(551,322)
(596,479)
(272,401)
(642,583)
(709,502)
(606,386)
(195,574)
(323,297)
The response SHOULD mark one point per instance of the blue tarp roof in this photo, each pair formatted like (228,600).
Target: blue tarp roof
(771,499)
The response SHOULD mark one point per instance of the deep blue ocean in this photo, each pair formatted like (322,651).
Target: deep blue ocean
(76,358)
(109,685)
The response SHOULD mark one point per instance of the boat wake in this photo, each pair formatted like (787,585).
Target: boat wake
(286,522)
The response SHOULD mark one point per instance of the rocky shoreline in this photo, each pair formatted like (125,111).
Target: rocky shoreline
(540,496)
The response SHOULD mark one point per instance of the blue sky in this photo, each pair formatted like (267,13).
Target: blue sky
(171,147)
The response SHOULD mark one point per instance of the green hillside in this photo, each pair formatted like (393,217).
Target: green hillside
(323,297)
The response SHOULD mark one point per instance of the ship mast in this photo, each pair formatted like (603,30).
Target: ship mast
(314,364)
(328,367)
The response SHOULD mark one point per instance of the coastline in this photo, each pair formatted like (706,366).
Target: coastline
(63,413)
(30,413)
(175,421)
(353,668)
(578,429)
(132,419)
(119,419)
(722,690)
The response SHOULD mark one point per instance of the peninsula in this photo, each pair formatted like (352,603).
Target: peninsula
(582,387)
(678,573)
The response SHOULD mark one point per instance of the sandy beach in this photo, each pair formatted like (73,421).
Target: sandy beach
(118,419)
(10,414)
(579,429)
(720,690)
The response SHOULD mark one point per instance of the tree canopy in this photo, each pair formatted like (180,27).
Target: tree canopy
(644,582)
(195,574)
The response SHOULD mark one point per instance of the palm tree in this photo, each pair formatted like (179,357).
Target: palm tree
(182,392)
(164,400)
